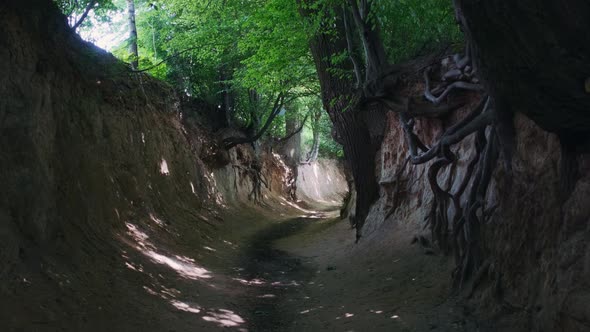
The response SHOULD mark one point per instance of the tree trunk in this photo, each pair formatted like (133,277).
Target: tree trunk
(375,58)
(84,15)
(227,102)
(316,127)
(292,146)
(132,34)
(339,100)
(533,57)
(315,147)
(291,151)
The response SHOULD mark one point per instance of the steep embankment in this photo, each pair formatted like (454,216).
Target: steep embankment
(322,181)
(117,209)
(535,238)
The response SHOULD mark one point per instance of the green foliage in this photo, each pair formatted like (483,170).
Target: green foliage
(415,27)
(328,147)
(248,52)
(74,9)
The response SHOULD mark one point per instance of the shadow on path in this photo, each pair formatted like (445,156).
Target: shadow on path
(274,277)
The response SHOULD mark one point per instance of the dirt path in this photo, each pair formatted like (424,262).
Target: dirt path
(308,275)
(279,273)
(276,275)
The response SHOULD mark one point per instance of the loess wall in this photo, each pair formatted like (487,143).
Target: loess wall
(101,170)
(536,242)
(322,181)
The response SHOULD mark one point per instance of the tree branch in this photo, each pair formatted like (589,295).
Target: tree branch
(177,54)
(230,142)
(282,139)
(84,15)
(348,33)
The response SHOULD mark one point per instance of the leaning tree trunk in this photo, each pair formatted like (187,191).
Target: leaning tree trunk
(316,127)
(341,102)
(533,57)
(132,34)
(292,147)
(291,150)
(315,147)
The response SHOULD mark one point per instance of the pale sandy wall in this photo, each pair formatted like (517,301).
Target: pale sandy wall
(322,181)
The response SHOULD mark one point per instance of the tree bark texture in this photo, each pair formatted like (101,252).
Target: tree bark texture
(132,34)
(340,101)
(292,146)
(315,147)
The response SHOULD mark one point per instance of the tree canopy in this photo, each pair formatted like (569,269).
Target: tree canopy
(252,58)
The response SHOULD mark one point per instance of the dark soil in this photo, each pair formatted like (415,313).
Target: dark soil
(281,276)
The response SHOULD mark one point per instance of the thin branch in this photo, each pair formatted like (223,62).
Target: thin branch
(357,69)
(282,139)
(230,142)
(85,14)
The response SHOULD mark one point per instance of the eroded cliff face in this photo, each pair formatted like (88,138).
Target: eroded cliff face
(536,241)
(323,182)
(108,185)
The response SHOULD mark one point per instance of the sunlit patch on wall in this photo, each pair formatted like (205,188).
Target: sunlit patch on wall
(224,318)
(185,306)
(137,235)
(134,267)
(183,266)
(185,269)
(212,192)
(164,167)
(157,220)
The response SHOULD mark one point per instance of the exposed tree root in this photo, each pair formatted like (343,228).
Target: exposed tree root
(455,85)
(254,171)
(455,218)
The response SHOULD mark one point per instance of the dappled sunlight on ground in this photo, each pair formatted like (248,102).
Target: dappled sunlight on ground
(182,296)
(220,317)
(311,214)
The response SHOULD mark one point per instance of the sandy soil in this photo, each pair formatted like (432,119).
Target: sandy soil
(379,284)
(264,268)
(306,273)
